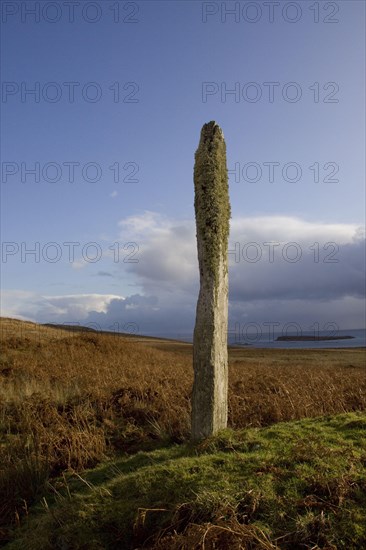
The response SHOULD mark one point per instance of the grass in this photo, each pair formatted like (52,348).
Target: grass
(293,485)
(71,401)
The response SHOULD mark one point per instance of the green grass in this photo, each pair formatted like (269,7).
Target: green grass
(293,485)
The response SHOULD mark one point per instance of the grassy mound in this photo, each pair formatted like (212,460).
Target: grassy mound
(299,484)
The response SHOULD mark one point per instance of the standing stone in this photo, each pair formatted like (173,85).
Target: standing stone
(210,360)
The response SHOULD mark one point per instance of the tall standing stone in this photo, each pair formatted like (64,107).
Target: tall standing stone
(212,208)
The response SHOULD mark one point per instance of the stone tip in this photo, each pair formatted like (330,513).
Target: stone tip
(211,125)
(210,128)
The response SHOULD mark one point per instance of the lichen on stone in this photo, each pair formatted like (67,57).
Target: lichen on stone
(212,205)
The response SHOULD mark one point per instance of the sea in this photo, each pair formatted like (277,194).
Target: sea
(268,339)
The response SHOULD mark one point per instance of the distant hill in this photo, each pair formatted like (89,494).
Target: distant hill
(19,327)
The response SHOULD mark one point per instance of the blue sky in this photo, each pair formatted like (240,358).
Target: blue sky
(159,55)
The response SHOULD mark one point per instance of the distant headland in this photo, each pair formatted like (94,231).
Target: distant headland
(310,338)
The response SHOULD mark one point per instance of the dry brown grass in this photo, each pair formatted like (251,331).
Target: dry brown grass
(68,399)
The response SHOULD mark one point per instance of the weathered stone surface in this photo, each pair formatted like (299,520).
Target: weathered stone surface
(212,208)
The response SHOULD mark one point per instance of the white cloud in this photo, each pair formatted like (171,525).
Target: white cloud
(166,255)
(43,308)
(286,229)
(79,264)
(13,302)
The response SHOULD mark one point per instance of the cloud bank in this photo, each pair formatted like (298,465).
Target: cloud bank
(281,270)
